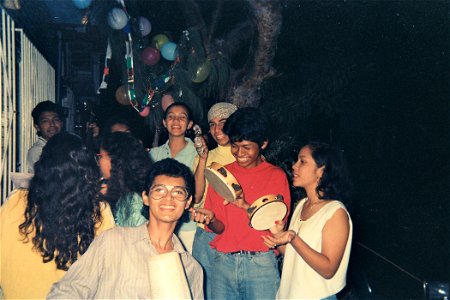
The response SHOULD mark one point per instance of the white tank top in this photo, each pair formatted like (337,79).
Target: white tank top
(298,279)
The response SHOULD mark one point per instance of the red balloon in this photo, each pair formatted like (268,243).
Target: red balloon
(166,100)
(150,56)
(145,112)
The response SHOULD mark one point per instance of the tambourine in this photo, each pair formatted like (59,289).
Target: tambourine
(223,182)
(266,210)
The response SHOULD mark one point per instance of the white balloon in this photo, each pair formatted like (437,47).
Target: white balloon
(117,18)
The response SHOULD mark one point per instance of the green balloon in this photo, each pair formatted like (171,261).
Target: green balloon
(202,72)
(159,40)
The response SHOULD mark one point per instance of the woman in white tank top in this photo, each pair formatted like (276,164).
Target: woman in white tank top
(317,244)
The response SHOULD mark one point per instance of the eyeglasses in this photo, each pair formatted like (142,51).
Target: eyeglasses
(159,191)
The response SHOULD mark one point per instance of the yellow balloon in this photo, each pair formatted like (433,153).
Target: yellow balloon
(159,40)
(202,72)
(122,95)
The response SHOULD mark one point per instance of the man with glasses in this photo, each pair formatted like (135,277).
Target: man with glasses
(47,119)
(116,264)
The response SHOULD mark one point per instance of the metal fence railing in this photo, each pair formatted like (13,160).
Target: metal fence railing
(26,78)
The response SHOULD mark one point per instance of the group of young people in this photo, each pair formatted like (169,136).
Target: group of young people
(161,202)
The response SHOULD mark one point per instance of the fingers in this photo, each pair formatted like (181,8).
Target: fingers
(269,241)
(278,227)
(201,216)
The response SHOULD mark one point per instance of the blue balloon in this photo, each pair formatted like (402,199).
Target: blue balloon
(169,51)
(82,4)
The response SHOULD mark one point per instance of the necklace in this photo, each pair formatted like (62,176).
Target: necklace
(312,205)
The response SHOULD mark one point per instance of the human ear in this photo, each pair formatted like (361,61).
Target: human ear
(164,123)
(319,172)
(190,124)
(145,198)
(188,203)
(36,127)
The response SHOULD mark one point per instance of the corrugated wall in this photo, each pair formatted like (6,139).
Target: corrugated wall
(26,78)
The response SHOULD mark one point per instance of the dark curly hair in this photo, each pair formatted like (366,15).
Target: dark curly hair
(62,207)
(130,163)
(335,182)
(249,124)
(172,168)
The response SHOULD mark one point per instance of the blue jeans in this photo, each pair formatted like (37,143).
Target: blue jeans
(245,276)
(332,297)
(204,254)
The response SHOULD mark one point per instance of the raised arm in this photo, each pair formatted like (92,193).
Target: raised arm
(200,181)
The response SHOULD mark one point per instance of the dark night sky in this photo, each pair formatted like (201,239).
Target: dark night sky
(392,119)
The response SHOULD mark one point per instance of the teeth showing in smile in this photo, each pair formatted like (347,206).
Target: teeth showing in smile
(167,206)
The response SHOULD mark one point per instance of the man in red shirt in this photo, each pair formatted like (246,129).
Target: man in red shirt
(244,267)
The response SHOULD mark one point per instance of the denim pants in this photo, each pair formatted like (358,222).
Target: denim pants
(204,254)
(245,276)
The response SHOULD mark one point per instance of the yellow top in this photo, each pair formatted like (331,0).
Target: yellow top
(23,275)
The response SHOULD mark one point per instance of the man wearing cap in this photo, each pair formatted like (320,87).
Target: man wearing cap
(217,116)
(47,119)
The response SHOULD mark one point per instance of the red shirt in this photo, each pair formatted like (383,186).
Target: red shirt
(256,182)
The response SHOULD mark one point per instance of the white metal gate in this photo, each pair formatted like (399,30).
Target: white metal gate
(26,78)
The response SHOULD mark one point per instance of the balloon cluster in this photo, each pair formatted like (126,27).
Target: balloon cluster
(160,46)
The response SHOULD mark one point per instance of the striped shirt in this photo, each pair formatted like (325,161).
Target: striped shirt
(116,266)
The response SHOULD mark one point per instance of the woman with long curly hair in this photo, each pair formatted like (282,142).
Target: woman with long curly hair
(317,244)
(46,228)
(124,164)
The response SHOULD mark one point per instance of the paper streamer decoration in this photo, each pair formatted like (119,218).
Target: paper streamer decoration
(167,277)
(104,84)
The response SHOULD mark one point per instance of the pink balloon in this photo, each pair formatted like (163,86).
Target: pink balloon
(166,100)
(145,112)
(150,56)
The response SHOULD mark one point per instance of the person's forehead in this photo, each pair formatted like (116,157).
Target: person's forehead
(177,110)
(244,143)
(169,180)
(48,114)
(217,120)
(120,127)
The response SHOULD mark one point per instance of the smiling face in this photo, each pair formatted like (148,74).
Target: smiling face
(215,128)
(177,121)
(167,209)
(247,153)
(306,173)
(49,124)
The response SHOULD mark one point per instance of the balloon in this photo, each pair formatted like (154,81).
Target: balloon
(202,72)
(159,40)
(144,26)
(117,18)
(150,56)
(82,4)
(122,95)
(166,100)
(127,28)
(169,51)
(145,112)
